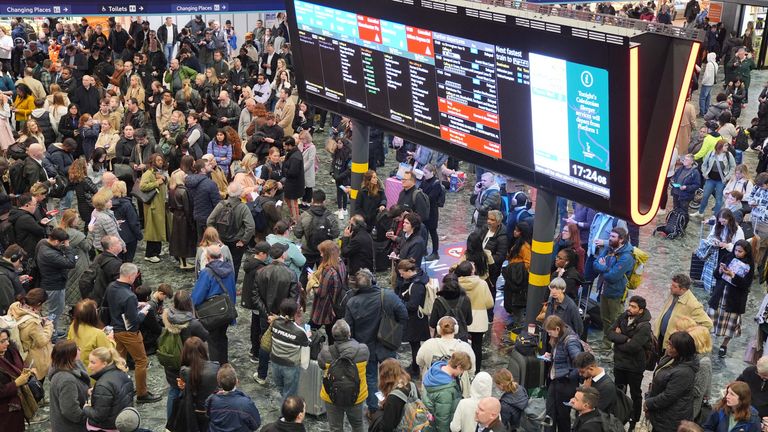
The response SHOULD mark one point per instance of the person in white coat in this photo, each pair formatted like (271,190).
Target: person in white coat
(309,154)
(464,417)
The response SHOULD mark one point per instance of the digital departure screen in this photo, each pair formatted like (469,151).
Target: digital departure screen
(464,91)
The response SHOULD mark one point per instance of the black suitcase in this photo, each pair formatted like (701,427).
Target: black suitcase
(530,371)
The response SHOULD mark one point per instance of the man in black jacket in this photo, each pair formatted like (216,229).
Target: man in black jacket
(274,283)
(588,417)
(357,245)
(252,265)
(125,318)
(27,229)
(414,199)
(630,335)
(107,266)
(596,378)
(10,276)
(757,379)
(86,96)
(35,169)
(54,259)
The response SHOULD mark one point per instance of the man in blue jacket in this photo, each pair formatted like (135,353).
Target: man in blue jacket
(613,267)
(218,277)
(363,315)
(205,195)
(230,409)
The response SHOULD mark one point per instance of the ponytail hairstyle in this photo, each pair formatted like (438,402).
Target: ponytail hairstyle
(110,356)
(194,354)
(505,381)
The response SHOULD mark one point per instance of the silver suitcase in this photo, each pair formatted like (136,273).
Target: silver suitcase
(310,382)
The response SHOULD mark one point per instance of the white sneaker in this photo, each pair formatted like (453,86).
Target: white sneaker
(259,381)
(340,214)
(153,259)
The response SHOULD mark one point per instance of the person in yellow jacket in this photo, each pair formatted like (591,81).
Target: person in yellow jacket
(34,331)
(680,303)
(85,329)
(345,346)
(23,105)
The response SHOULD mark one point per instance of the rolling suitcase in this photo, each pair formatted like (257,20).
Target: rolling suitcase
(310,382)
(530,371)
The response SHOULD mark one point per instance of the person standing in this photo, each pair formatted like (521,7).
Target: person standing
(630,335)
(235,224)
(596,377)
(734,411)
(563,377)
(154,179)
(411,289)
(113,391)
(708,76)
(357,245)
(35,332)
(204,193)
(584,402)
(330,287)
(434,190)
(125,317)
(463,419)
(442,390)
(69,388)
(54,259)
(680,303)
(218,277)
(486,197)
(757,378)
(670,398)
(414,199)
(293,170)
(480,301)
(197,379)
(290,348)
(729,299)
(613,267)
(230,409)
(292,414)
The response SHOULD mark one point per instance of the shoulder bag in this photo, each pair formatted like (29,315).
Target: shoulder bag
(217,311)
(390,334)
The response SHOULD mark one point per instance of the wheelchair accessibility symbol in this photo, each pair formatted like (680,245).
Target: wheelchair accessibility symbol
(587,79)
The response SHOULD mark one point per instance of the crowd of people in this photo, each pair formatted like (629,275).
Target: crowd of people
(180,138)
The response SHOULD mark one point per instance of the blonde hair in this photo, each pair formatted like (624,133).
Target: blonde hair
(250,161)
(38,189)
(110,356)
(68,218)
(119,189)
(505,381)
(99,200)
(684,323)
(702,338)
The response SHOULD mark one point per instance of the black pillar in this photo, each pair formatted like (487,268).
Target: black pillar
(541,253)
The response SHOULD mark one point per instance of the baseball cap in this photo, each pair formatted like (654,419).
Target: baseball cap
(277,250)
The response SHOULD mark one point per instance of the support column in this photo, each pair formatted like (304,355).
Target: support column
(541,253)
(360,134)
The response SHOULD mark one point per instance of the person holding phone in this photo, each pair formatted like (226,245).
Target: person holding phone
(12,376)
(685,182)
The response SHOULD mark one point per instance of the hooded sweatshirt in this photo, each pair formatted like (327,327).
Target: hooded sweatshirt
(464,417)
(442,394)
(207,286)
(710,70)
(513,406)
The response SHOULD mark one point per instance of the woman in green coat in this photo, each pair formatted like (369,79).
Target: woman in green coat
(154,181)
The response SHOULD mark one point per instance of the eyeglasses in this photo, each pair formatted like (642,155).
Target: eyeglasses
(6,340)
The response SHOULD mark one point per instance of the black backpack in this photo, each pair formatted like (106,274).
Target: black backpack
(741,140)
(87,281)
(225,223)
(7,233)
(677,222)
(16,177)
(623,408)
(342,381)
(456,314)
(259,218)
(609,421)
(318,232)
(441,198)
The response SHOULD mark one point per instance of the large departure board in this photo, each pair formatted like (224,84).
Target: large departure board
(467,92)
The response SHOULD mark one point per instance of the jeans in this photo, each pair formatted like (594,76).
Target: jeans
(55,306)
(704,93)
(218,345)
(712,187)
(286,379)
(336,417)
(173,393)
(168,49)
(133,344)
(66,202)
(372,379)
(634,381)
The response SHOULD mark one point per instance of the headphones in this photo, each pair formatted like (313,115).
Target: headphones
(455,325)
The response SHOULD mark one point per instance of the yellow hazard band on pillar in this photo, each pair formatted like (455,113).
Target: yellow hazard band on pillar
(359,168)
(540,280)
(542,248)
(353,193)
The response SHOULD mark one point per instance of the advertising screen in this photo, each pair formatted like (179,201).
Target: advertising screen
(541,112)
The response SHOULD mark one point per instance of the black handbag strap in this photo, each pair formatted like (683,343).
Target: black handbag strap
(218,279)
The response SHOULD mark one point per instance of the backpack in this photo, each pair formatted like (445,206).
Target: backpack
(420,193)
(416,415)
(259,218)
(318,232)
(441,198)
(651,351)
(17,152)
(225,222)
(609,421)
(7,233)
(456,314)
(623,409)
(741,140)
(341,298)
(342,381)
(677,222)
(87,281)
(585,347)
(430,295)
(636,277)
(16,177)
(169,350)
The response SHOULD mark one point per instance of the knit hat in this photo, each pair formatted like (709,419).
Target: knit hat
(128,420)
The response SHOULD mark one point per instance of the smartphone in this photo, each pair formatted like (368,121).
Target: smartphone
(310,271)
(307,328)
(52,213)
(380,396)
(676,185)
(545,358)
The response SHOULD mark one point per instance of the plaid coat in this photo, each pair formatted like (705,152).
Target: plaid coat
(333,283)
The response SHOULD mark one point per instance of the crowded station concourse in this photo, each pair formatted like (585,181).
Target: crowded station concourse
(188,244)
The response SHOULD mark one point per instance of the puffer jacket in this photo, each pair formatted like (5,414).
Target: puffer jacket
(714,110)
(68,393)
(513,407)
(480,299)
(60,159)
(442,395)
(54,264)
(352,350)
(670,399)
(615,272)
(565,351)
(35,337)
(112,393)
(629,345)
(464,417)
(205,195)
(186,325)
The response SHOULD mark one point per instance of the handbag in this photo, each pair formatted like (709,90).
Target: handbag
(36,388)
(266,340)
(390,333)
(144,197)
(60,187)
(124,172)
(217,311)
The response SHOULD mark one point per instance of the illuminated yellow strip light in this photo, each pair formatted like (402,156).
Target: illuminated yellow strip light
(634,145)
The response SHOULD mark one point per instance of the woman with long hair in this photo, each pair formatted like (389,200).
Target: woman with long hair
(570,238)
(341,171)
(516,271)
(309,155)
(113,391)
(411,288)
(332,280)
(130,228)
(86,330)
(57,108)
(728,301)
(107,139)
(221,149)
(723,236)
(188,96)
(370,199)
(35,332)
(103,221)
(246,178)
(742,182)
(181,244)
(135,90)
(23,104)
(734,412)
(69,388)
(31,130)
(452,298)
(273,169)
(395,386)
(70,222)
(69,124)
(670,399)
(155,179)
(210,237)
(235,142)
(84,188)
(718,167)
(197,380)
(564,377)
(13,375)
(97,166)
(480,257)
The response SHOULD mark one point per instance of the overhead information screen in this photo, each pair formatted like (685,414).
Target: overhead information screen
(541,112)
